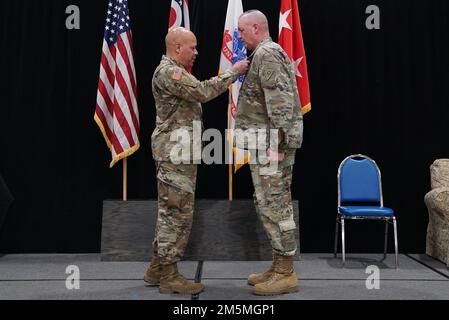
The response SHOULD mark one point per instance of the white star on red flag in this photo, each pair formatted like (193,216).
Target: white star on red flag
(283,23)
(296,63)
(290,39)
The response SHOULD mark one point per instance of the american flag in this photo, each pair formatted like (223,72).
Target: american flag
(116,112)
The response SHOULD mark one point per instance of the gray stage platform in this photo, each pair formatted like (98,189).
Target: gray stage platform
(222,230)
(321,278)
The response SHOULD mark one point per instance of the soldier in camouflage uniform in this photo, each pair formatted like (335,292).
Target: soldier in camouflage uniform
(269,101)
(177,96)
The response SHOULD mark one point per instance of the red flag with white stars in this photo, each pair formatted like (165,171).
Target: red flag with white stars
(290,39)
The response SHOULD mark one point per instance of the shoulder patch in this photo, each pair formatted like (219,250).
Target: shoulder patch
(177,73)
(188,80)
(269,73)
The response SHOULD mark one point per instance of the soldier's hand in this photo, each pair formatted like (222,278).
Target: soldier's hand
(241,66)
(274,157)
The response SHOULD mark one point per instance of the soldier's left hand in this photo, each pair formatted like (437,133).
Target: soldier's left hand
(274,157)
(241,66)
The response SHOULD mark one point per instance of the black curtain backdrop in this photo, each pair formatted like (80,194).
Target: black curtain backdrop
(382,92)
(6,199)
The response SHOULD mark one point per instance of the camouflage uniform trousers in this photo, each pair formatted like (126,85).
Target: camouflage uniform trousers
(273,201)
(176,196)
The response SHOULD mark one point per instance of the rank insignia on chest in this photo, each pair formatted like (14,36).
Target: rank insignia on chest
(177,74)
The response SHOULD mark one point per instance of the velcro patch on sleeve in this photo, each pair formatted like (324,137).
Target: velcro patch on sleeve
(188,80)
(269,74)
(177,73)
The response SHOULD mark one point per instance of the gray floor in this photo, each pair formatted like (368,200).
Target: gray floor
(43,277)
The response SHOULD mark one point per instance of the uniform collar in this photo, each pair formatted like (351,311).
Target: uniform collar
(172,61)
(266,40)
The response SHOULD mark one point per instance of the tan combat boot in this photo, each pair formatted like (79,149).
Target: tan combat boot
(283,279)
(154,271)
(173,282)
(256,278)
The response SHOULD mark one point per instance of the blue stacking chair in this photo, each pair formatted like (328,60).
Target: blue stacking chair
(359,184)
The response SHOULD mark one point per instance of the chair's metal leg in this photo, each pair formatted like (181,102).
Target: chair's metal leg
(336,238)
(395,241)
(343,240)
(386,239)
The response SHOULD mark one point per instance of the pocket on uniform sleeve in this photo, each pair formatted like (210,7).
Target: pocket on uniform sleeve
(287,225)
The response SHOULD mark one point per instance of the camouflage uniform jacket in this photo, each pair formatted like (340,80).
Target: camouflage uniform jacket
(268,98)
(178,96)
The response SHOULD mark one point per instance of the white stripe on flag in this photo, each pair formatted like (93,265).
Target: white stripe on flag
(108,86)
(185,9)
(109,57)
(131,61)
(104,108)
(120,134)
(121,100)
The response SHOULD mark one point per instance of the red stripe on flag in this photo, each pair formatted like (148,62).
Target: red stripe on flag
(126,94)
(107,100)
(107,68)
(112,137)
(125,91)
(115,143)
(131,47)
(121,119)
(122,49)
(118,119)
(131,44)
(118,148)
(104,122)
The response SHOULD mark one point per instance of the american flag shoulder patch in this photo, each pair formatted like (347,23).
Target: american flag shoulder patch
(177,73)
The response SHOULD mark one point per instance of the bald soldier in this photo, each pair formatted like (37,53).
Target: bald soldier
(177,96)
(268,101)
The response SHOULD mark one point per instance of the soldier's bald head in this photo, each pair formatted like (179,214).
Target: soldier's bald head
(177,36)
(253,28)
(181,46)
(255,17)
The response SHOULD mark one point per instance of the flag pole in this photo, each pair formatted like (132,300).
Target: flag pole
(231,157)
(230,182)
(125,179)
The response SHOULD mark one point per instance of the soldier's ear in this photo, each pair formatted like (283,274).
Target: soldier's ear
(256,28)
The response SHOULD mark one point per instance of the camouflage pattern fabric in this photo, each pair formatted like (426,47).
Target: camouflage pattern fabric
(269,98)
(178,96)
(272,198)
(176,197)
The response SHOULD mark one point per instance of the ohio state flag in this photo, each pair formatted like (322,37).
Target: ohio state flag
(290,39)
(179,14)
